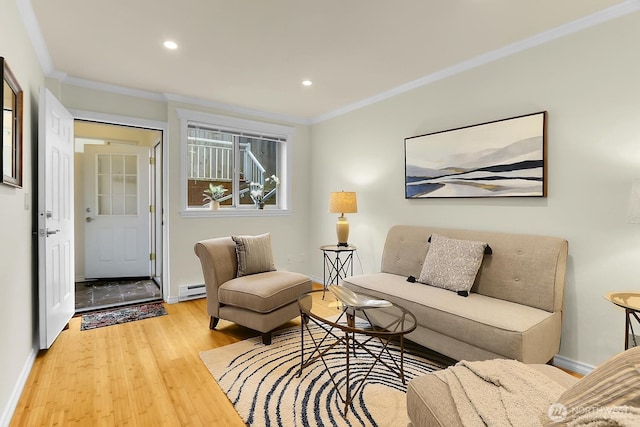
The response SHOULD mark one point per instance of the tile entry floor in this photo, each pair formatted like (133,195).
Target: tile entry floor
(97,294)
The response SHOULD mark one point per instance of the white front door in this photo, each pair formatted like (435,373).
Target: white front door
(55,219)
(117,240)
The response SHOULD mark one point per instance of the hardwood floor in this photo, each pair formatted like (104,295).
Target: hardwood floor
(144,373)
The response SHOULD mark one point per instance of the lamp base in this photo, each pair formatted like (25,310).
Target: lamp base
(342,244)
(342,230)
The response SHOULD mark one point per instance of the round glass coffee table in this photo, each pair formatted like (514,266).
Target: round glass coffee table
(353,328)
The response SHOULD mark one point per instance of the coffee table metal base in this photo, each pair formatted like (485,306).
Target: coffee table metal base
(351,344)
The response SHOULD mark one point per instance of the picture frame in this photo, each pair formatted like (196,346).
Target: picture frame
(11,122)
(501,158)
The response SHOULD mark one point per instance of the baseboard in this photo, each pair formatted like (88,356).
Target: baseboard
(172,299)
(12,404)
(572,365)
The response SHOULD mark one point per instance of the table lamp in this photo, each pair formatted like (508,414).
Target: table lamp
(343,202)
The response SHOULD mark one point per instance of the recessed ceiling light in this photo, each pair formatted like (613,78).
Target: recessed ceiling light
(307,82)
(169,44)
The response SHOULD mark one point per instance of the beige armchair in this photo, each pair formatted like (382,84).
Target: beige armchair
(261,301)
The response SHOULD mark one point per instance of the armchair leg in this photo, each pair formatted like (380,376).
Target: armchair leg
(266,338)
(213,322)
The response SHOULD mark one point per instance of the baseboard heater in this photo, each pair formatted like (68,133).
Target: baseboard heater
(189,292)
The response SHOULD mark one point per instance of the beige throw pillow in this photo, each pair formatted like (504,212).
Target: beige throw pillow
(451,263)
(254,254)
(610,387)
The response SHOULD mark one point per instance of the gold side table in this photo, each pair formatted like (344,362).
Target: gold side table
(630,301)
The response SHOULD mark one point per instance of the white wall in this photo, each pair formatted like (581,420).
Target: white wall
(289,233)
(589,84)
(18,316)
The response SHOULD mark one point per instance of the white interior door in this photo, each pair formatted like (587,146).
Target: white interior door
(55,219)
(157,215)
(117,219)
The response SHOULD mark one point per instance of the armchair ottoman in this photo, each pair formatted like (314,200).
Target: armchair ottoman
(262,300)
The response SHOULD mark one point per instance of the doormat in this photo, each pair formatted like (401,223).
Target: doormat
(121,315)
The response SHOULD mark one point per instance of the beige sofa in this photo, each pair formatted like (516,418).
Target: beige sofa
(528,395)
(514,310)
(430,403)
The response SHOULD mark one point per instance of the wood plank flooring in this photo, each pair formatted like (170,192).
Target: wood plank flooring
(143,373)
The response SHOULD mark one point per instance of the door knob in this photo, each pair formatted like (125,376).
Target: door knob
(88,219)
(50,232)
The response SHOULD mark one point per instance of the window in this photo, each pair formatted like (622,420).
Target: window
(117,178)
(249,159)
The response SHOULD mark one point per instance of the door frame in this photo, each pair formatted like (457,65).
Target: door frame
(113,119)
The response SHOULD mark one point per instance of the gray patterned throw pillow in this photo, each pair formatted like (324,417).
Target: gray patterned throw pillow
(451,263)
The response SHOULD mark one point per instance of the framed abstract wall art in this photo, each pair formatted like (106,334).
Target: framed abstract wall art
(502,158)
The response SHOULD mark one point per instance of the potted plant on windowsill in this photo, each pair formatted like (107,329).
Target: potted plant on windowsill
(213,194)
(257,191)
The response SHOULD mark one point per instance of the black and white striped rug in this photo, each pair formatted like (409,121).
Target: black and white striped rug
(262,383)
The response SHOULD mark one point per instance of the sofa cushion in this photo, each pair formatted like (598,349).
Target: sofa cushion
(614,383)
(524,269)
(452,263)
(254,254)
(512,330)
(264,292)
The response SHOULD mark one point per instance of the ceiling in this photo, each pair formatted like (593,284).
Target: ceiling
(253,55)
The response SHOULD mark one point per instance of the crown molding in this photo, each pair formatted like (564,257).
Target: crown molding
(34,33)
(40,47)
(597,18)
(236,109)
(108,87)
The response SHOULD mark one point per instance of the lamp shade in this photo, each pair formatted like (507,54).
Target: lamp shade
(343,202)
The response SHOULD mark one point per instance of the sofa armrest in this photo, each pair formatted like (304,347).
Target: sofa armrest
(219,265)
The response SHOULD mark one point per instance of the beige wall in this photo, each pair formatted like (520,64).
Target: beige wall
(289,233)
(18,286)
(588,82)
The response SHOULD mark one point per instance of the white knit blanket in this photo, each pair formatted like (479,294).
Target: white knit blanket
(500,393)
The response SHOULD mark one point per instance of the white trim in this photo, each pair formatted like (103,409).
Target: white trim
(236,124)
(172,300)
(155,125)
(236,109)
(572,365)
(247,211)
(597,18)
(35,35)
(119,120)
(108,87)
(18,388)
(39,44)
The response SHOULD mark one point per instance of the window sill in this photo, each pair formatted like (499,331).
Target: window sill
(232,212)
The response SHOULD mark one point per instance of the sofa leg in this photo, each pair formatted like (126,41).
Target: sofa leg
(266,338)
(213,322)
